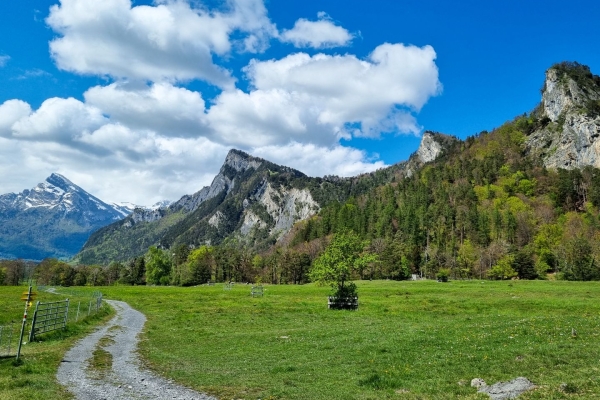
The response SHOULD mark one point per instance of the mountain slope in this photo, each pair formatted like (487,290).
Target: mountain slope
(53,219)
(251,200)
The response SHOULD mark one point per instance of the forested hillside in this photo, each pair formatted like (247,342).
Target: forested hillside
(487,209)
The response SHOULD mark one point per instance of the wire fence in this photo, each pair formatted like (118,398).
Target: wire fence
(82,303)
(48,316)
(9,338)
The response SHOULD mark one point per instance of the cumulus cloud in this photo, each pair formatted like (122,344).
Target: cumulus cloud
(319,34)
(313,160)
(161,141)
(161,107)
(322,98)
(170,41)
(12,111)
(59,120)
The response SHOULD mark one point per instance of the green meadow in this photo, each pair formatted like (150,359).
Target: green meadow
(407,340)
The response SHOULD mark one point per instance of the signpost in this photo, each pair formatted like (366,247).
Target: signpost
(28,297)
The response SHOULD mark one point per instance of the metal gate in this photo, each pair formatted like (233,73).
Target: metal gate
(49,317)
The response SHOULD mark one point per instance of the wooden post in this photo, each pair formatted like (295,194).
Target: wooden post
(23,324)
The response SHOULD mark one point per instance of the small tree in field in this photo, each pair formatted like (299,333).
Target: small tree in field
(340,260)
(158,266)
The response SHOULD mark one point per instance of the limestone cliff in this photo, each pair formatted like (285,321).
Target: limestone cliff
(433,145)
(569,116)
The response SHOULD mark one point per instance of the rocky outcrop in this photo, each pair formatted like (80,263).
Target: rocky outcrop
(251,222)
(433,144)
(568,137)
(216,219)
(241,161)
(285,206)
(429,149)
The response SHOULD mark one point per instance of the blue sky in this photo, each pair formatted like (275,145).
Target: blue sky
(140,101)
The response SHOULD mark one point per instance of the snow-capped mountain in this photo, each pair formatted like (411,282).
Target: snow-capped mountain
(54,219)
(127,207)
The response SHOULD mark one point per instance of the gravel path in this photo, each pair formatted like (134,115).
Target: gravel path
(127,379)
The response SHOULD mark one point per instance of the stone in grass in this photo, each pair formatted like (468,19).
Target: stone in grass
(505,390)
(478,383)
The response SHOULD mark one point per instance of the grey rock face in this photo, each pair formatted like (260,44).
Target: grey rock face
(216,219)
(429,149)
(285,206)
(146,215)
(571,139)
(241,161)
(432,145)
(235,159)
(251,221)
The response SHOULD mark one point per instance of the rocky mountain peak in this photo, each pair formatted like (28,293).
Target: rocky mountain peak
(429,149)
(61,182)
(568,86)
(240,161)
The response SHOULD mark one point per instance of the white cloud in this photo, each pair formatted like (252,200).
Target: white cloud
(58,119)
(3,60)
(170,41)
(164,108)
(34,73)
(143,138)
(319,34)
(321,99)
(316,160)
(12,111)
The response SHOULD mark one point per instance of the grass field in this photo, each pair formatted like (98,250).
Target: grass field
(408,340)
(35,377)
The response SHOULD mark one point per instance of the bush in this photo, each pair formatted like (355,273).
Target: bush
(503,269)
(348,290)
(443,275)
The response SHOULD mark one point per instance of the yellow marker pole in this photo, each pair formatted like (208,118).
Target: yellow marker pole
(24,322)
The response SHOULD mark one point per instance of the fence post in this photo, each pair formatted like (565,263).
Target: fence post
(24,322)
(67,314)
(77,316)
(89,308)
(31,332)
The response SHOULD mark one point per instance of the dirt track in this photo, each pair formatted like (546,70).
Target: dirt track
(127,379)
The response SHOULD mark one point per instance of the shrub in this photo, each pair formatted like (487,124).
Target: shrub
(443,275)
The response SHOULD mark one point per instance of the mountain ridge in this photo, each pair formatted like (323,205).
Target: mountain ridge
(251,200)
